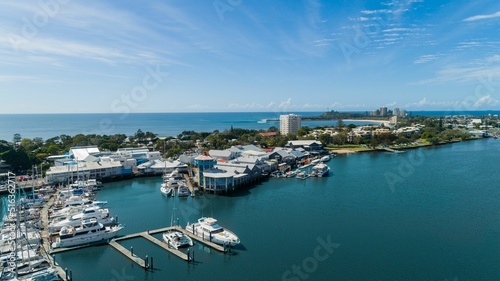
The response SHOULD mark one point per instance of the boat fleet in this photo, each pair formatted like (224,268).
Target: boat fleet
(173,184)
(75,219)
(316,168)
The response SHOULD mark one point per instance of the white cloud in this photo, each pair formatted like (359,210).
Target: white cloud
(286,104)
(426,59)
(486,100)
(468,103)
(483,17)
(381,11)
(464,75)
(424,102)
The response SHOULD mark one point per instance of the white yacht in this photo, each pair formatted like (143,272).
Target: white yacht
(79,201)
(326,158)
(75,238)
(177,239)
(92,212)
(209,229)
(75,220)
(165,189)
(320,170)
(86,225)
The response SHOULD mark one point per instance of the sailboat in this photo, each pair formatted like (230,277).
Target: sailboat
(176,239)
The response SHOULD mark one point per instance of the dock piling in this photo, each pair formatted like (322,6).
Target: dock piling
(151,266)
(146,262)
(131,250)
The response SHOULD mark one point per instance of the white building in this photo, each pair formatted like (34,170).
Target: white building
(290,124)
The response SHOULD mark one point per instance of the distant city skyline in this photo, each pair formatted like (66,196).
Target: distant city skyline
(241,56)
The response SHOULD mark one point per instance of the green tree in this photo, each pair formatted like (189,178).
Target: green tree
(325,139)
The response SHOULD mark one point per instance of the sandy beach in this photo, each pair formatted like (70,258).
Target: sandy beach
(366,120)
(342,151)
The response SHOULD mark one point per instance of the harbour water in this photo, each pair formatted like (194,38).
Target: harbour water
(427,214)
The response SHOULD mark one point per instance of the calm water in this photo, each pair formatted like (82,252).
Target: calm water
(165,124)
(427,214)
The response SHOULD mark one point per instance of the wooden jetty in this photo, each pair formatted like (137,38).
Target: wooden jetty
(192,189)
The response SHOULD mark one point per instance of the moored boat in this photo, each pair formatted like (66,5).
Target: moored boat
(165,190)
(177,239)
(320,170)
(73,237)
(209,229)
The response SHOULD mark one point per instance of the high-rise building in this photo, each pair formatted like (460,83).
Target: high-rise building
(290,124)
(402,113)
(374,112)
(395,111)
(383,111)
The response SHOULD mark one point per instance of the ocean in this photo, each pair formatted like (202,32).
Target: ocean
(164,124)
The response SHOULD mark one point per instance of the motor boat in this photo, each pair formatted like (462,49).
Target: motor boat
(320,170)
(177,239)
(73,237)
(209,229)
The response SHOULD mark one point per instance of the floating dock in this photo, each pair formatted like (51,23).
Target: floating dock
(148,236)
(44,234)
(127,253)
(192,189)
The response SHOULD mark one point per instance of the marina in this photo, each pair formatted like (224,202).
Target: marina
(345,200)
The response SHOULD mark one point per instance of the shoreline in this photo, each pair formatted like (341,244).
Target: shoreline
(359,149)
(367,120)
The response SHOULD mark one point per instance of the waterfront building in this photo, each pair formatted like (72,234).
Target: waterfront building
(158,167)
(282,156)
(203,163)
(88,162)
(141,154)
(224,155)
(374,112)
(393,120)
(307,145)
(402,113)
(290,124)
(100,170)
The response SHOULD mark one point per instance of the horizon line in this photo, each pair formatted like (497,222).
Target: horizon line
(201,112)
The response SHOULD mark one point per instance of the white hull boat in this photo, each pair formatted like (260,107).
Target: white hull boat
(177,239)
(209,229)
(102,235)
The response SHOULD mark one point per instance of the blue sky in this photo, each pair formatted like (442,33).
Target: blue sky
(68,56)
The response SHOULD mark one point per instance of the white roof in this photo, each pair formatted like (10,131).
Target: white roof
(304,142)
(83,167)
